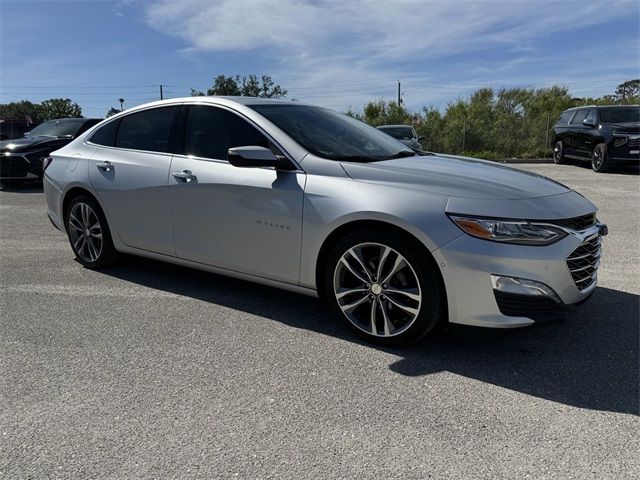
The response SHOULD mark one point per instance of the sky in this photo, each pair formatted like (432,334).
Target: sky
(338,54)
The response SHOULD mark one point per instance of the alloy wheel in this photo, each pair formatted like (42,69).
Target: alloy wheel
(557,152)
(377,289)
(85,232)
(598,157)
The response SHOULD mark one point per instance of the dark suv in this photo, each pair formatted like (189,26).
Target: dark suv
(21,158)
(601,134)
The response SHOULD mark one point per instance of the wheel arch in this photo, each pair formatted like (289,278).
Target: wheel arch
(69,195)
(376,225)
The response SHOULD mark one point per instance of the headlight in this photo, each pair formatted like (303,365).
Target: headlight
(520,232)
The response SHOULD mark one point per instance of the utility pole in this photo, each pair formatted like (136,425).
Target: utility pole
(464,133)
(121,100)
(161,96)
(546,137)
(399,99)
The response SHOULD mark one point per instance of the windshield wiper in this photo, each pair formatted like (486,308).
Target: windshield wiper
(403,153)
(356,158)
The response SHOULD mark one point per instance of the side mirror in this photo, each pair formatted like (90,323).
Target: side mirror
(588,123)
(420,138)
(255,156)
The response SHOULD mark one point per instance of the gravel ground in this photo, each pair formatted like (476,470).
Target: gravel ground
(148,370)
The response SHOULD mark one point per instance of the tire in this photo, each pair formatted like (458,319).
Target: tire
(405,306)
(89,233)
(599,160)
(558,153)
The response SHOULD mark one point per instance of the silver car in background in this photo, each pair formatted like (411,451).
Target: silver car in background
(306,199)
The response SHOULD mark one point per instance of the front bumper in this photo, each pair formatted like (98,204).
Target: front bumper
(624,148)
(467,264)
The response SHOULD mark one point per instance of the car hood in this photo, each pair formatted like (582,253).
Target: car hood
(456,177)
(626,127)
(26,144)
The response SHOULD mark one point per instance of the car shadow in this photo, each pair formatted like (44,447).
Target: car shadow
(618,168)
(589,360)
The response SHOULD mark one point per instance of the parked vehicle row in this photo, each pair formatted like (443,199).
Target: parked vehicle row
(21,158)
(306,199)
(603,135)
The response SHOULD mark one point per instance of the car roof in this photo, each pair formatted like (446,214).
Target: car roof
(599,106)
(71,119)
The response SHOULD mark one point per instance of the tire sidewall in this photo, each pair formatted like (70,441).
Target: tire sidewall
(108,250)
(560,160)
(604,165)
(433,303)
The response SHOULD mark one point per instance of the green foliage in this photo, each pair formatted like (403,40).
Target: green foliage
(514,122)
(40,112)
(61,108)
(20,110)
(250,86)
(382,112)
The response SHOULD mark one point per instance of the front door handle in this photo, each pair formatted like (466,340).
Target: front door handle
(106,166)
(185,175)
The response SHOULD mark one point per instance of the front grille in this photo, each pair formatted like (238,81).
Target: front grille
(576,223)
(584,261)
(13,166)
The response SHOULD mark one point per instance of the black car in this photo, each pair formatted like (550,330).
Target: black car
(21,158)
(603,135)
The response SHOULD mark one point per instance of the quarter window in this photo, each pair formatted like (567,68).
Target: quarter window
(147,130)
(580,116)
(106,135)
(210,132)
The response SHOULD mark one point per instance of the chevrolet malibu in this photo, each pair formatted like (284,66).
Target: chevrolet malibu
(302,198)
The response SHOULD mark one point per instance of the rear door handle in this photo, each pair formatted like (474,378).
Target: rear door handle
(185,175)
(106,166)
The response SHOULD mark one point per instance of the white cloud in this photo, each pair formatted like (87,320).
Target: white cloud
(372,42)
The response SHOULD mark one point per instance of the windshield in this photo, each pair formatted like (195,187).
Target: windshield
(328,134)
(401,133)
(620,115)
(57,128)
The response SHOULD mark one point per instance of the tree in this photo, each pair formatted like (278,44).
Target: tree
(249,86)
(60,108)
(630,88)
(21,110)
(383,112)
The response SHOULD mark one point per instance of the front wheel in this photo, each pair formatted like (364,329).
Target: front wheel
(599,160)
(558,153)
(384,288)
(89,233)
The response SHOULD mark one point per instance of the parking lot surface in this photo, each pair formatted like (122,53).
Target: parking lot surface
(151,370)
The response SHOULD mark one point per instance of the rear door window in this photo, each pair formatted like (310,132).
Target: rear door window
(580,116)
(147,130)
(592,116)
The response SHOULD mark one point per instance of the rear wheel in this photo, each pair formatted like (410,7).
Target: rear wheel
(558,153)
(384,288)
(599,160)
(89,233)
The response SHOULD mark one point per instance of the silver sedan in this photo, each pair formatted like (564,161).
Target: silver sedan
(306,199)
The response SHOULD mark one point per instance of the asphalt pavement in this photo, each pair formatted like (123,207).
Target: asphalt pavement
(148,370)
